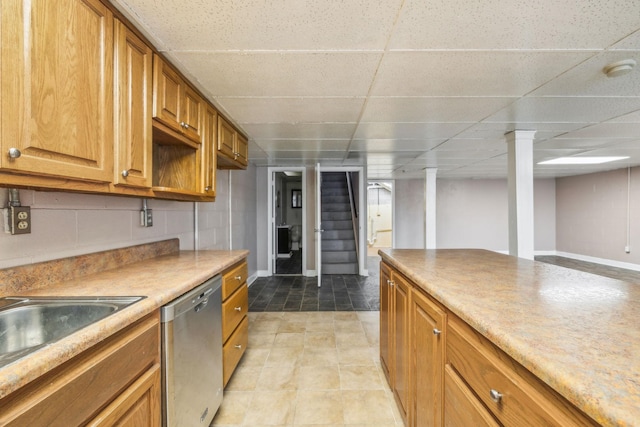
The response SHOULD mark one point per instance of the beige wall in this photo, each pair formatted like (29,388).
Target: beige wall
(69,224)
(592,215)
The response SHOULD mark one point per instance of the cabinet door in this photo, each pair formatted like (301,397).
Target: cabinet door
(226,138)
(427,361)
(386,330)
(401,343)
(191,118)
(57,88)
(209,152)
(133,140)
(168,88)
(138,406)
(242,150)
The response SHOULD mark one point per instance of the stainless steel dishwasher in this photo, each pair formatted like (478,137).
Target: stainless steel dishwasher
(192,356)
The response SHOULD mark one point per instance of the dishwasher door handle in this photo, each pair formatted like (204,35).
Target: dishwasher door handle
(202,305)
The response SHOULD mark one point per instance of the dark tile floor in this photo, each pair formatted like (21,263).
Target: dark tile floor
(358,293)
(339,292)
(291,265)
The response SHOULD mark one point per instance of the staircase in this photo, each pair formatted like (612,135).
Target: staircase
(338,241)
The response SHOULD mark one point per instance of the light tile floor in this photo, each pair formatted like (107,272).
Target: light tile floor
(310,369)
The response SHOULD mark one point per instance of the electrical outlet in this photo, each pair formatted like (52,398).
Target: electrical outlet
(146,217)
(19,219)
(627,249)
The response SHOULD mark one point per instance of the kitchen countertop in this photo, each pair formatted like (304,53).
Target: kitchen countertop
(160,280)
(577,332)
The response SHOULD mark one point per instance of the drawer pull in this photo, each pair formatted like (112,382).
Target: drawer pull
(238,346)
(238,308)
(238,278)
(496,396)
(437,332)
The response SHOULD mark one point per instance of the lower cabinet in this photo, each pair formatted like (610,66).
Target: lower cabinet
(428,323)
(443,372)
(235,324)
(103,386)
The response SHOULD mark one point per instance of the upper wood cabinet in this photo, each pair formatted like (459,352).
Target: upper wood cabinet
(57,89)
(209,152)
(175,104)
(133,79)
(233,148)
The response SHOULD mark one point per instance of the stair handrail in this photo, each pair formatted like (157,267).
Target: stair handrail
(354,216)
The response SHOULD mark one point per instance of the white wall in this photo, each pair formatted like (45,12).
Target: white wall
(409,214)
(69,224)
(592,215)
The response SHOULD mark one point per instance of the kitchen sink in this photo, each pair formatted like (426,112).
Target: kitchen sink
(30,323)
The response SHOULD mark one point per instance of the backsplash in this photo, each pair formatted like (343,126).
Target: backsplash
(40,275)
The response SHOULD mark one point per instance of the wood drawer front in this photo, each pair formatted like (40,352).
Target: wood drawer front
(234,309)
(232,279)
(461,407)
(74,392)
(525,400)
(234,348)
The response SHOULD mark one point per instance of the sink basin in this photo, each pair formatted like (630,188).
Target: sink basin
(28,324)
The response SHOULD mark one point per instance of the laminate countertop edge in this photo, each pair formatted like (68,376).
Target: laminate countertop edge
(160,280)
(577,332)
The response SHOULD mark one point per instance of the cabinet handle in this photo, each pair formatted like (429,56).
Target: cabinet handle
(496,396)
(437,332)
(207,188)
(125,173)
(238,346)
(14,153)
(391,283)
(238,278)
(238,308)
(186,125)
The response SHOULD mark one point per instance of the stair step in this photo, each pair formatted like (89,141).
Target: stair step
(344,268)
(337,225)
(337,234)
(336,207)
(336,216)
(336,199)
(338,245)
(334,176)
(333,184)
(332,257)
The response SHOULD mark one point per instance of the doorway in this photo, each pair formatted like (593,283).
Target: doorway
(379,216)
(287,246)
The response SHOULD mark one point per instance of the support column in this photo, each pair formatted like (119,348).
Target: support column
(520,183)
(430,208)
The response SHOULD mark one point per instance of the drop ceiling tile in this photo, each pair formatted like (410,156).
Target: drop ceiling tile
(470,73)
(300,130)
(588,79)
(373,145)
(577,143)
(397,130)
(565,109)
(283,74)
(276,145)
(292,110)
(519,24)
(631,42)
(307,154)
(631,144)
(432,109)
(285,24)
(606,131)
(472,145)
(633,117)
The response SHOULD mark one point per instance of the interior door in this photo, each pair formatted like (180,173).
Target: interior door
(272,221)
(318,227)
